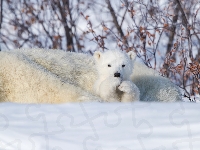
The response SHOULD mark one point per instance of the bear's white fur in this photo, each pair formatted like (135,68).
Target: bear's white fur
(55,76)
(113,83)
(23,80)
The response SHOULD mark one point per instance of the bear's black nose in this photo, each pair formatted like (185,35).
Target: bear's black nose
(117,74)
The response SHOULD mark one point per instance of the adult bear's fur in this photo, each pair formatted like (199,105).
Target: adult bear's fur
(43,76)
(25,81)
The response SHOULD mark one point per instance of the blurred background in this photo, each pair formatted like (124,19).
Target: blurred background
(165,34)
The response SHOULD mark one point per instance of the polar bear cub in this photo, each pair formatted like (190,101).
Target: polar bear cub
(114,69)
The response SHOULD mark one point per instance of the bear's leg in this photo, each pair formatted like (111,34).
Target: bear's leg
(108,89)
(130,91)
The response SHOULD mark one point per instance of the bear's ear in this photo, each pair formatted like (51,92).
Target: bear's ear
(132,55)
(97,55)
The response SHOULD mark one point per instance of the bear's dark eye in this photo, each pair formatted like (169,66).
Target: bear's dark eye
(123,65)
(109,65)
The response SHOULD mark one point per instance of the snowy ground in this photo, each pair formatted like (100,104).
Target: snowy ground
(100,126)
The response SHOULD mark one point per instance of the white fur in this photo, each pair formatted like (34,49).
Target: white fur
(109,87)
(55,76)
(154,87)
(24,81)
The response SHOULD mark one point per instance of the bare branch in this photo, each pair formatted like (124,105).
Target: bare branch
(119,29)
(185,20)
(68,31)
(1,16)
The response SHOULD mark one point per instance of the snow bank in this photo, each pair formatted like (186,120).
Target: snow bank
(100,126)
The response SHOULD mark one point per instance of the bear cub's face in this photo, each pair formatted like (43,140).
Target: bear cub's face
(115,63)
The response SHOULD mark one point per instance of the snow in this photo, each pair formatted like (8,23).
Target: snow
(100,126)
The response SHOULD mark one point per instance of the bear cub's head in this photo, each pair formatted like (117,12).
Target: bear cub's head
(114,63)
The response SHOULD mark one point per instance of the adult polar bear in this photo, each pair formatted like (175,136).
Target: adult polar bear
(24,81)
(49,74)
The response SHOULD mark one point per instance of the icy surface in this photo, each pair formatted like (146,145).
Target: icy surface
(100,126)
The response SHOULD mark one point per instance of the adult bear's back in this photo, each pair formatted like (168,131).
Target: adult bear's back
(76,68)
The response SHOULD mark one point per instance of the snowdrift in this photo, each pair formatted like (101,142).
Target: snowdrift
(100,126)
